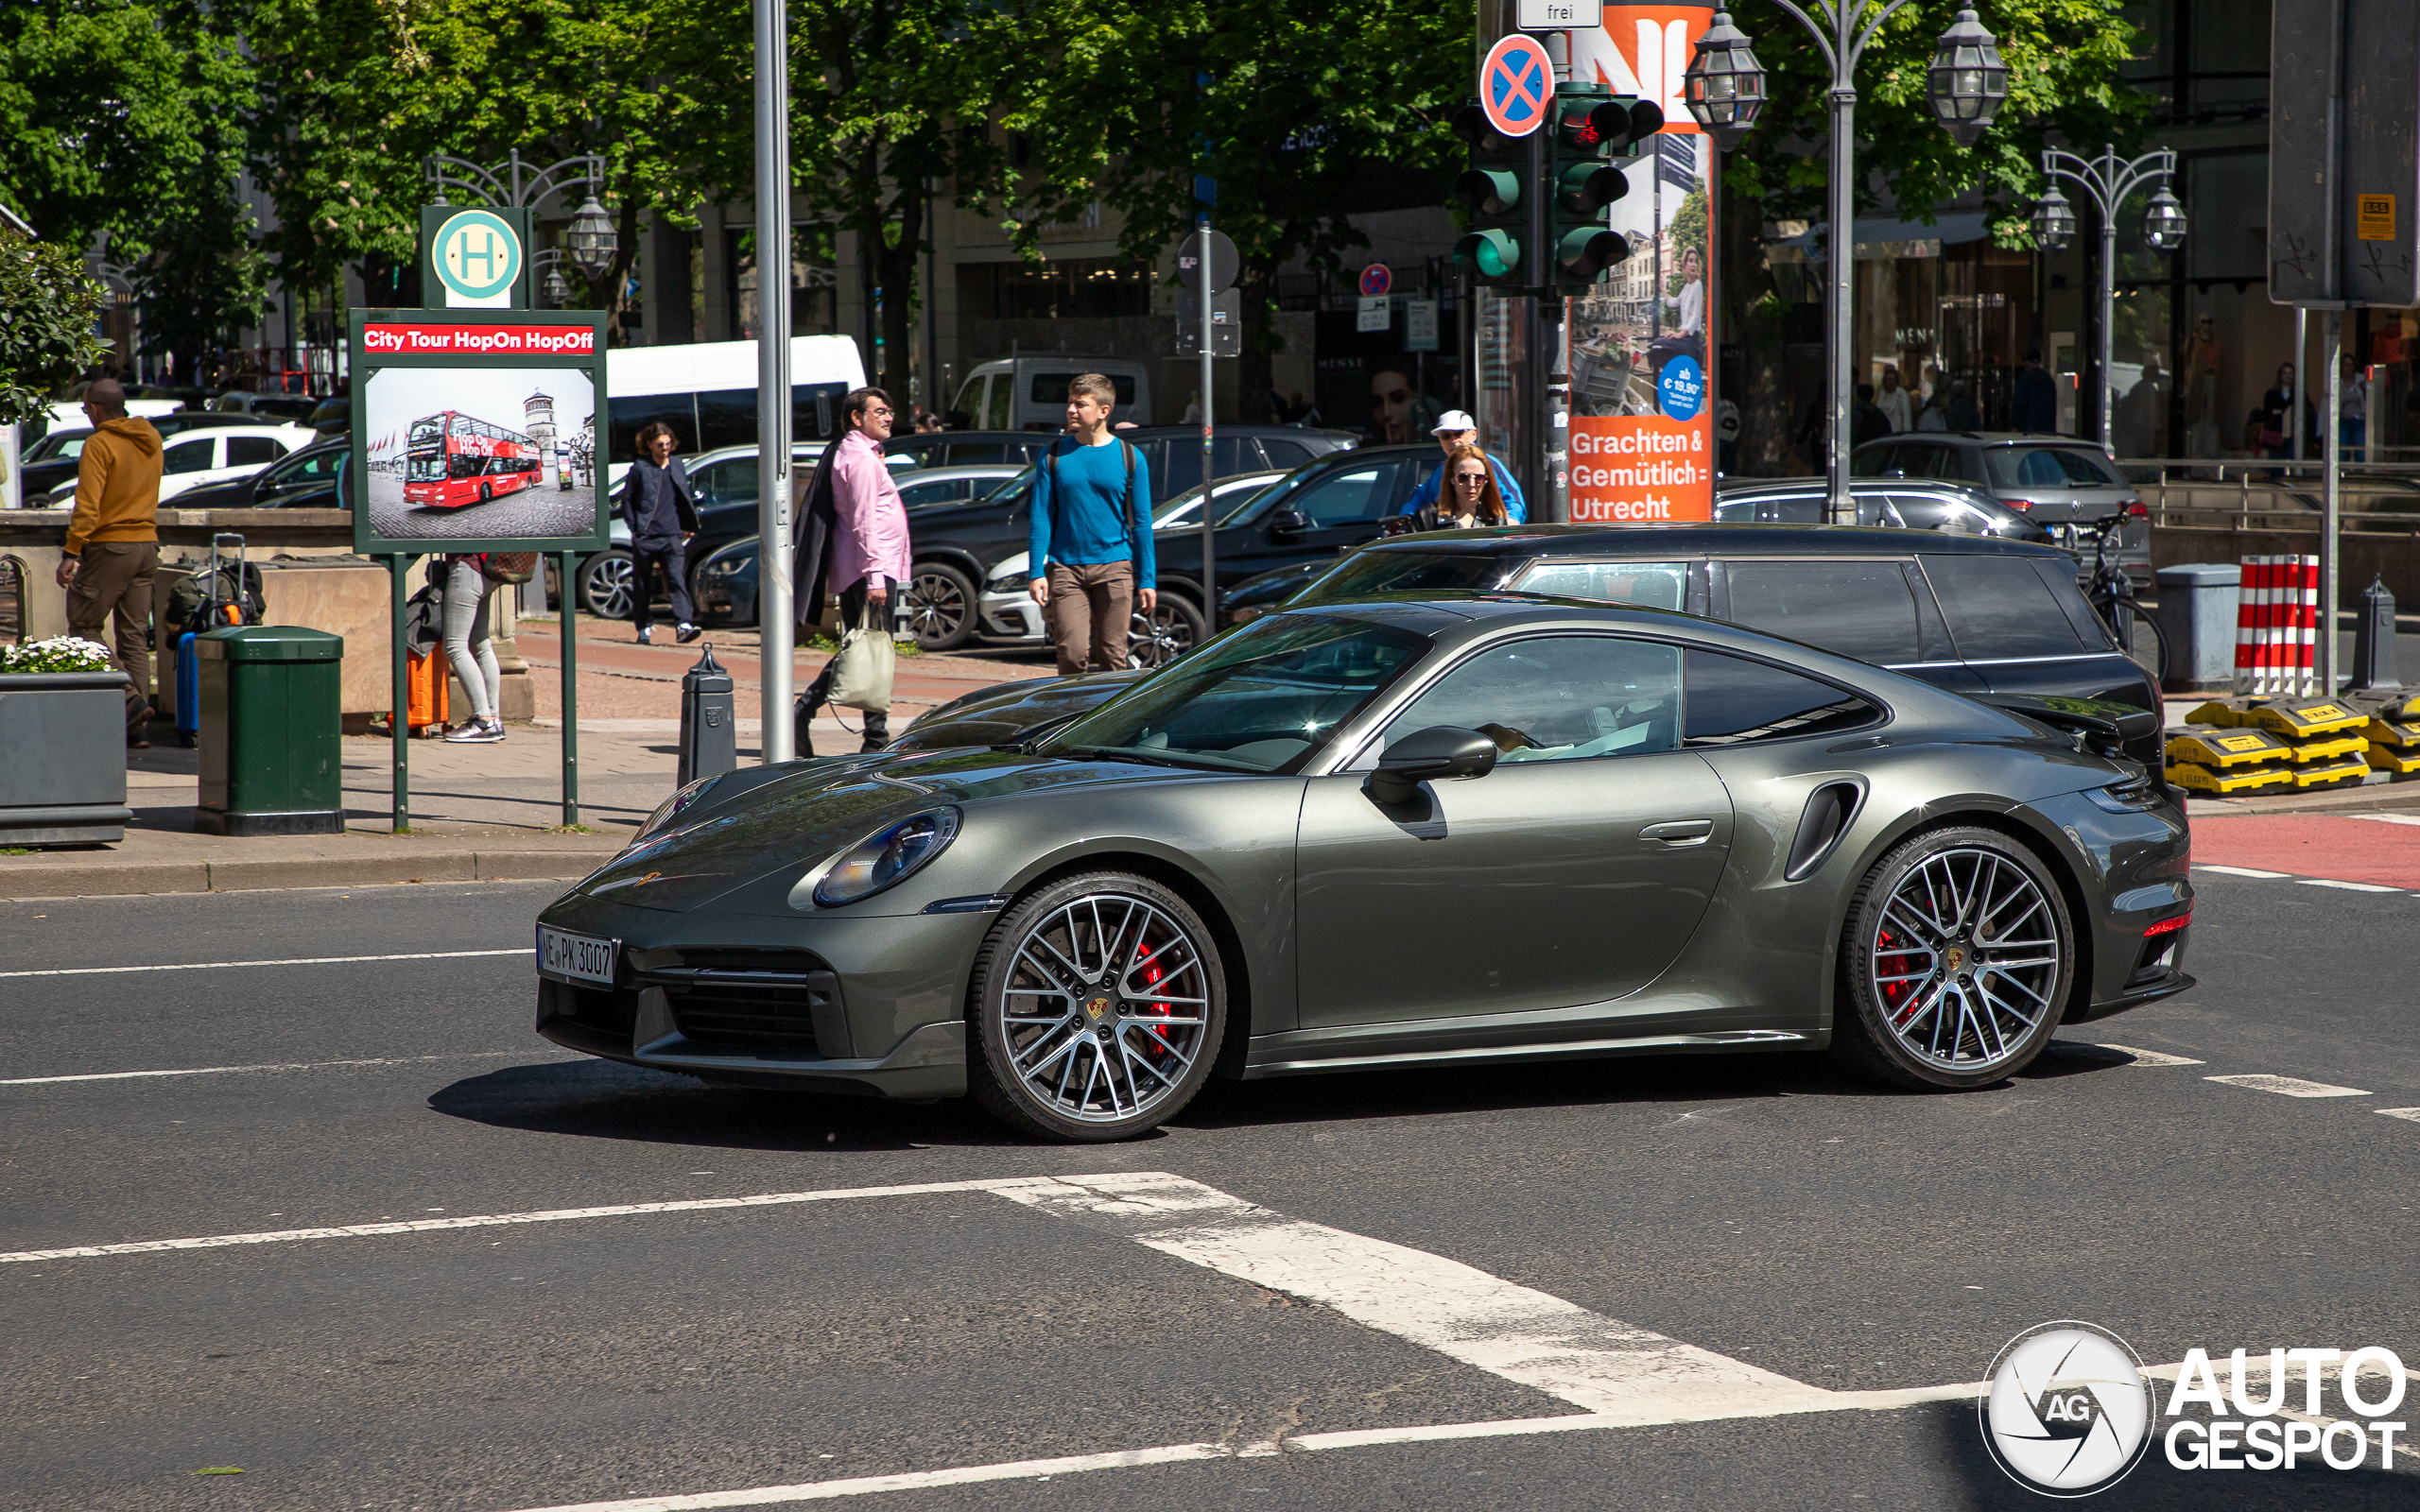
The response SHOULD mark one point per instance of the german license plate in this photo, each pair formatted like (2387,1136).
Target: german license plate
(576,958)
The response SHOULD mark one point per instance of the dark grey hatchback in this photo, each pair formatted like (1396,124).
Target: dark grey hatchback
(1973,614)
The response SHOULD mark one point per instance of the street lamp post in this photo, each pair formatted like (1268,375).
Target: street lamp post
(1966,84)
(2108,181)
(589,244)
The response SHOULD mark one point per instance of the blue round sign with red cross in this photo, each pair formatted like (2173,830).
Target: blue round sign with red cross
(1376,278)
(1516,85)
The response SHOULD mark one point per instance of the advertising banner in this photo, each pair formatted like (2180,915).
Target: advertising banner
(476,431)
(1642,419)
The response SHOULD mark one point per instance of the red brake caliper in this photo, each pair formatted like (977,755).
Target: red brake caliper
(1898,997)
(1158,1035)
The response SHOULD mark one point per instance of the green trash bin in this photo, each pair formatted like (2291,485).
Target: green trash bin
(272,730)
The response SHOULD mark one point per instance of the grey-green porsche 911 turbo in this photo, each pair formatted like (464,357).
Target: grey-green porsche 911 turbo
(1490,827)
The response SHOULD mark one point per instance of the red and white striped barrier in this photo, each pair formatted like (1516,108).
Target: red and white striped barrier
(2276,627)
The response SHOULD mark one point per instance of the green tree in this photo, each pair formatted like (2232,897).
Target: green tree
(125,119)
(2063,59)
(48,301)
(1287,104)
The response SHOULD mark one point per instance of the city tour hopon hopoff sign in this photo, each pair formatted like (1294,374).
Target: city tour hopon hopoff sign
(477,430)
(1642,421)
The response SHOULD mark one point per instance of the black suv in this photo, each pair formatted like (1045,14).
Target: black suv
(1977,615)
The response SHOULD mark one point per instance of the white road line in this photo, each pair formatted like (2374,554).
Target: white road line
(1623,1373)
(310,961)
(1021,1470)
(2410,1115)
(219,1070)
(2382,819)
(2154,1058)
(2242,871)
(418,1226)
(2289,1086)
(2348,886)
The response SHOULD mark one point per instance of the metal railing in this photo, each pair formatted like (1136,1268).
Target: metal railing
(2252,494)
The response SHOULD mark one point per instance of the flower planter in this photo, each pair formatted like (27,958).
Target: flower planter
(62,758)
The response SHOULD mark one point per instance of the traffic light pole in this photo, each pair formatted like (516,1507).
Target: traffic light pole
(1550,382)
(1209,432)
(774,611)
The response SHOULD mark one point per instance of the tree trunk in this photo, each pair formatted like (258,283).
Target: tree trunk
(896,275)
(1755,319)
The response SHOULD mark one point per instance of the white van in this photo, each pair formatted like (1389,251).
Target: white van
(1030,393)
(706,391)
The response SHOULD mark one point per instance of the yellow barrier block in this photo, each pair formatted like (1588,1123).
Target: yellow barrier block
(2302,718)
(2221,716)
(2328,747)
(2204,780)
(2234,747)
(2404,711)
(2400,761)
(2385,731)
(2349,773)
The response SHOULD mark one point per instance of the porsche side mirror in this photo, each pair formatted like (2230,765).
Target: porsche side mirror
(1427,756)
(1288,523)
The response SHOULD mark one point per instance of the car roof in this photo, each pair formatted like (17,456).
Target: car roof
(1701,538)
(964,469)
(2081,444)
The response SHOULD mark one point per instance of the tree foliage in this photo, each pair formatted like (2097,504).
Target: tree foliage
(1287,104)
(48,300)
(123,121)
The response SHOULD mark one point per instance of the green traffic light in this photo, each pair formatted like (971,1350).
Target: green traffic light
(1493,256)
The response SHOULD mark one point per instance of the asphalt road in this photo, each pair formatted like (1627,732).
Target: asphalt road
(1764,1209)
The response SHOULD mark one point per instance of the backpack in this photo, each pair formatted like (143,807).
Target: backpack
(221,594)
(1134,527)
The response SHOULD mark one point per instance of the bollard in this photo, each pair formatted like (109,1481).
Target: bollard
(2374,668)
(2197,618)
(709,735)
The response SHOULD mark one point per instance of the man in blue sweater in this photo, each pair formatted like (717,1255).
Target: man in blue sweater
(1090,543)
(1456,428)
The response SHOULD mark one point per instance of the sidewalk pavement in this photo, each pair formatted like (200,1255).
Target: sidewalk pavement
(478,812)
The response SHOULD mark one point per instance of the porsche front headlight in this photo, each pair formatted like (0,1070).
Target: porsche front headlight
(887,857)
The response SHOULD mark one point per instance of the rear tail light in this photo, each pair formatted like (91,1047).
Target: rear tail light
(2169,926)
(2138,509)
(2020,504)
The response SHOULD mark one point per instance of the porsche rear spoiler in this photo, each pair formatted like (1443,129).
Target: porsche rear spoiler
(2102,728)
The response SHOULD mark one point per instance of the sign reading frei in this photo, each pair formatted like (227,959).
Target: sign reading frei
(1558,15)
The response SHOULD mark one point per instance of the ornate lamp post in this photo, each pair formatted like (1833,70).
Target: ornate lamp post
(1966,85)
(2108,181)
(589,245)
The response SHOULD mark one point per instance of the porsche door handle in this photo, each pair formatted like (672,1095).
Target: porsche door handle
(1679,831)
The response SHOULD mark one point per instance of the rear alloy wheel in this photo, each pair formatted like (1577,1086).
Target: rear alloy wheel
(1099,1005)
(940,601)
(1955,962)
(609,584)
(1156,639)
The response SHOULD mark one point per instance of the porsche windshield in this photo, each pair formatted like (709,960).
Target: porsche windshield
(1263,699)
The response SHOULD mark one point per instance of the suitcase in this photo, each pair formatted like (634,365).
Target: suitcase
(188,658)
(424,691)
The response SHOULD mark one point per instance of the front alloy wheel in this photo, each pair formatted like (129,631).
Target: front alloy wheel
(609,584)
(1957,963)
(1099,1005)
(940,604)
(1168,631)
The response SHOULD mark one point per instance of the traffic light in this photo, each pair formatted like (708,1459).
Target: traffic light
(1491,190)
(1592,125)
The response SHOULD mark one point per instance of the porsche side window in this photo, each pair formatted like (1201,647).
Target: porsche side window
(1646,584)
(1557,699)
(1733,700)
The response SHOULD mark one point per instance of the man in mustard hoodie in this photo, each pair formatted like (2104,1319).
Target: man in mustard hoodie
(113,542)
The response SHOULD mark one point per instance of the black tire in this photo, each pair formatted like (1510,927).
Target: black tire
(1049,991)
(1173,628)
(487,491)
(1933,993)
(942,606)
(608,582)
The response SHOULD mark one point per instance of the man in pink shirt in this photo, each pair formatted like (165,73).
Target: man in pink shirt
(868,551)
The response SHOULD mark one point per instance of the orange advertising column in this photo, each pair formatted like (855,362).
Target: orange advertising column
(1642,417)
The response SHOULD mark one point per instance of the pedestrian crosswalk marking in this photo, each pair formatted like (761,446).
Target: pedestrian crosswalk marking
(2287,1085)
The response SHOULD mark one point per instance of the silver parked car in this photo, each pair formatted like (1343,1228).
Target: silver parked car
(2061,482)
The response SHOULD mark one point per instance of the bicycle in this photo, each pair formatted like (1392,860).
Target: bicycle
(2111,592)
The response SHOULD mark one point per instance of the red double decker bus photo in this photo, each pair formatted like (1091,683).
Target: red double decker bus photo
(452,459)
